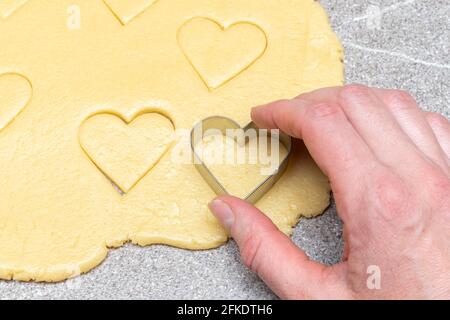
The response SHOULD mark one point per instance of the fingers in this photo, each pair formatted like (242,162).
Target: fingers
(273,256)
(377,126)
(330,138)
(414,123)
(404,109)
(393,138)
(283,115)
(441,128)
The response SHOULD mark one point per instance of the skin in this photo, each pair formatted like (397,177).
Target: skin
(389,166)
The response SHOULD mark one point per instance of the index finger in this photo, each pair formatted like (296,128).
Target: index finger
(284,114)
(329,136)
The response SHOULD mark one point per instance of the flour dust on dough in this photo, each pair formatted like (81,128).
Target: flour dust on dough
(86,108)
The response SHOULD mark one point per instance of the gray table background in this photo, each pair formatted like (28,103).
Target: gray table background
(407,48)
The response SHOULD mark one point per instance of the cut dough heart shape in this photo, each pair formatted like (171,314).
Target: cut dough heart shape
(15,93)
(127,10)
(220,53)
(8,7)
(125,151)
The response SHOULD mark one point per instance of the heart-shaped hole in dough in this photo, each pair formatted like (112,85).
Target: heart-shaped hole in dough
(126,150)
(15,94)
(220,53)
(127,10)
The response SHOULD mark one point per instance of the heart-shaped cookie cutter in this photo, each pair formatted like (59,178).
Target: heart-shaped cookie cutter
(222,124)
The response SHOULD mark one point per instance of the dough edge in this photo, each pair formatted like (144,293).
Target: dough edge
(61,272)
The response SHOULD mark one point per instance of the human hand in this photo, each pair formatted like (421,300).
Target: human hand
(389,167)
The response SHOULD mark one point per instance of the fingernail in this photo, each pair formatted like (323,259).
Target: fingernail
(223,213)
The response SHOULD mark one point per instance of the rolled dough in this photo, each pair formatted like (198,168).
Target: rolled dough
(92,91)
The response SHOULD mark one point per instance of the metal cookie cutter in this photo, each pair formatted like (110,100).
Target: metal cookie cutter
(222,124)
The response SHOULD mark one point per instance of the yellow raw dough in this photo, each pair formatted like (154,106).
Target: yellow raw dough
(158,67)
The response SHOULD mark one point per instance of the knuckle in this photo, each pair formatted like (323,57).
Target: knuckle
(353,92)
(399,100)
(436,119)
(250,251)
(283,103)
(279,111)
(323,110)
(442,189)
(439,191)
(395,200)
(391,196)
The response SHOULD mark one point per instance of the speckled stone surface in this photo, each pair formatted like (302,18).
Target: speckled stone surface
(388,43)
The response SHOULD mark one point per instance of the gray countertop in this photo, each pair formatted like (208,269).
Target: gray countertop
(406,46)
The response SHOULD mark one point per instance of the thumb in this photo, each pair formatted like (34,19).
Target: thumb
(274,257)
